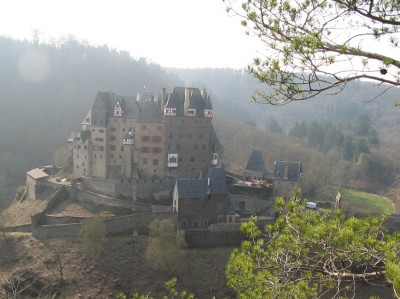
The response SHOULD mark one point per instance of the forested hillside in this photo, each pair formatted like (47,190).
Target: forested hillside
(232,91)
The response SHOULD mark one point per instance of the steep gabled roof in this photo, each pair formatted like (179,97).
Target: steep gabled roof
(256,162)
(289,171)
(192,188)
(215,145)
(217,181)
(150,112)
(215,184)
(177,100)
(173,149)
(129,105)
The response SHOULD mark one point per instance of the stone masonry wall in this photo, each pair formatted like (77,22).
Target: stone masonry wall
(113,225)
(91,197)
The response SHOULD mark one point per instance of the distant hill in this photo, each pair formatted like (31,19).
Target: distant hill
(232,91)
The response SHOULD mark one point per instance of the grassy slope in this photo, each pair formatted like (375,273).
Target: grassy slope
(365,203)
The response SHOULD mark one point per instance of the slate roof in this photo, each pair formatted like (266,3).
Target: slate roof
(256,162)
(215,145)
(192,188)
(173,149)
(177,100)
(288,171)
(150,112)
(200,188)
(107,100)
(217,181)
(129,105)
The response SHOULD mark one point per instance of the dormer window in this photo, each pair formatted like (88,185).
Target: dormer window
(208,113)
(191,112)
(168,111)
(117,109)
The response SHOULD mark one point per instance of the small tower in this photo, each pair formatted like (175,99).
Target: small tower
(128,143)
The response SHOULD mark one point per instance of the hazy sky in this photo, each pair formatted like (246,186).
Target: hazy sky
(180,33)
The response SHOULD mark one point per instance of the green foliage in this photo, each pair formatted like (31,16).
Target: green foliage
(165,250)
(305,40)
(328,135)
(307,253)
(93,236)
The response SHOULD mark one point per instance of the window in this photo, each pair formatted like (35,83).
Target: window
(123,129)
(122,148)
(172,159)
(196,147)
(171,135)
(190,135)
(145,138)
(143,127)
(192,159)
(180,159)
(113,138)
(112,148)
(98,139)
(144,161)
(220,219)
(113,129)
(101,131)
(85,146)
(201,135)
(203,147)
(159,128)
(155,162)
(124,120)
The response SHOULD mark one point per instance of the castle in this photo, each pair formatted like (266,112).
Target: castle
(135,147)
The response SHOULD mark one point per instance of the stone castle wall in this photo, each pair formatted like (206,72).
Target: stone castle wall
(113,225)
(103,186)
(98,199)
